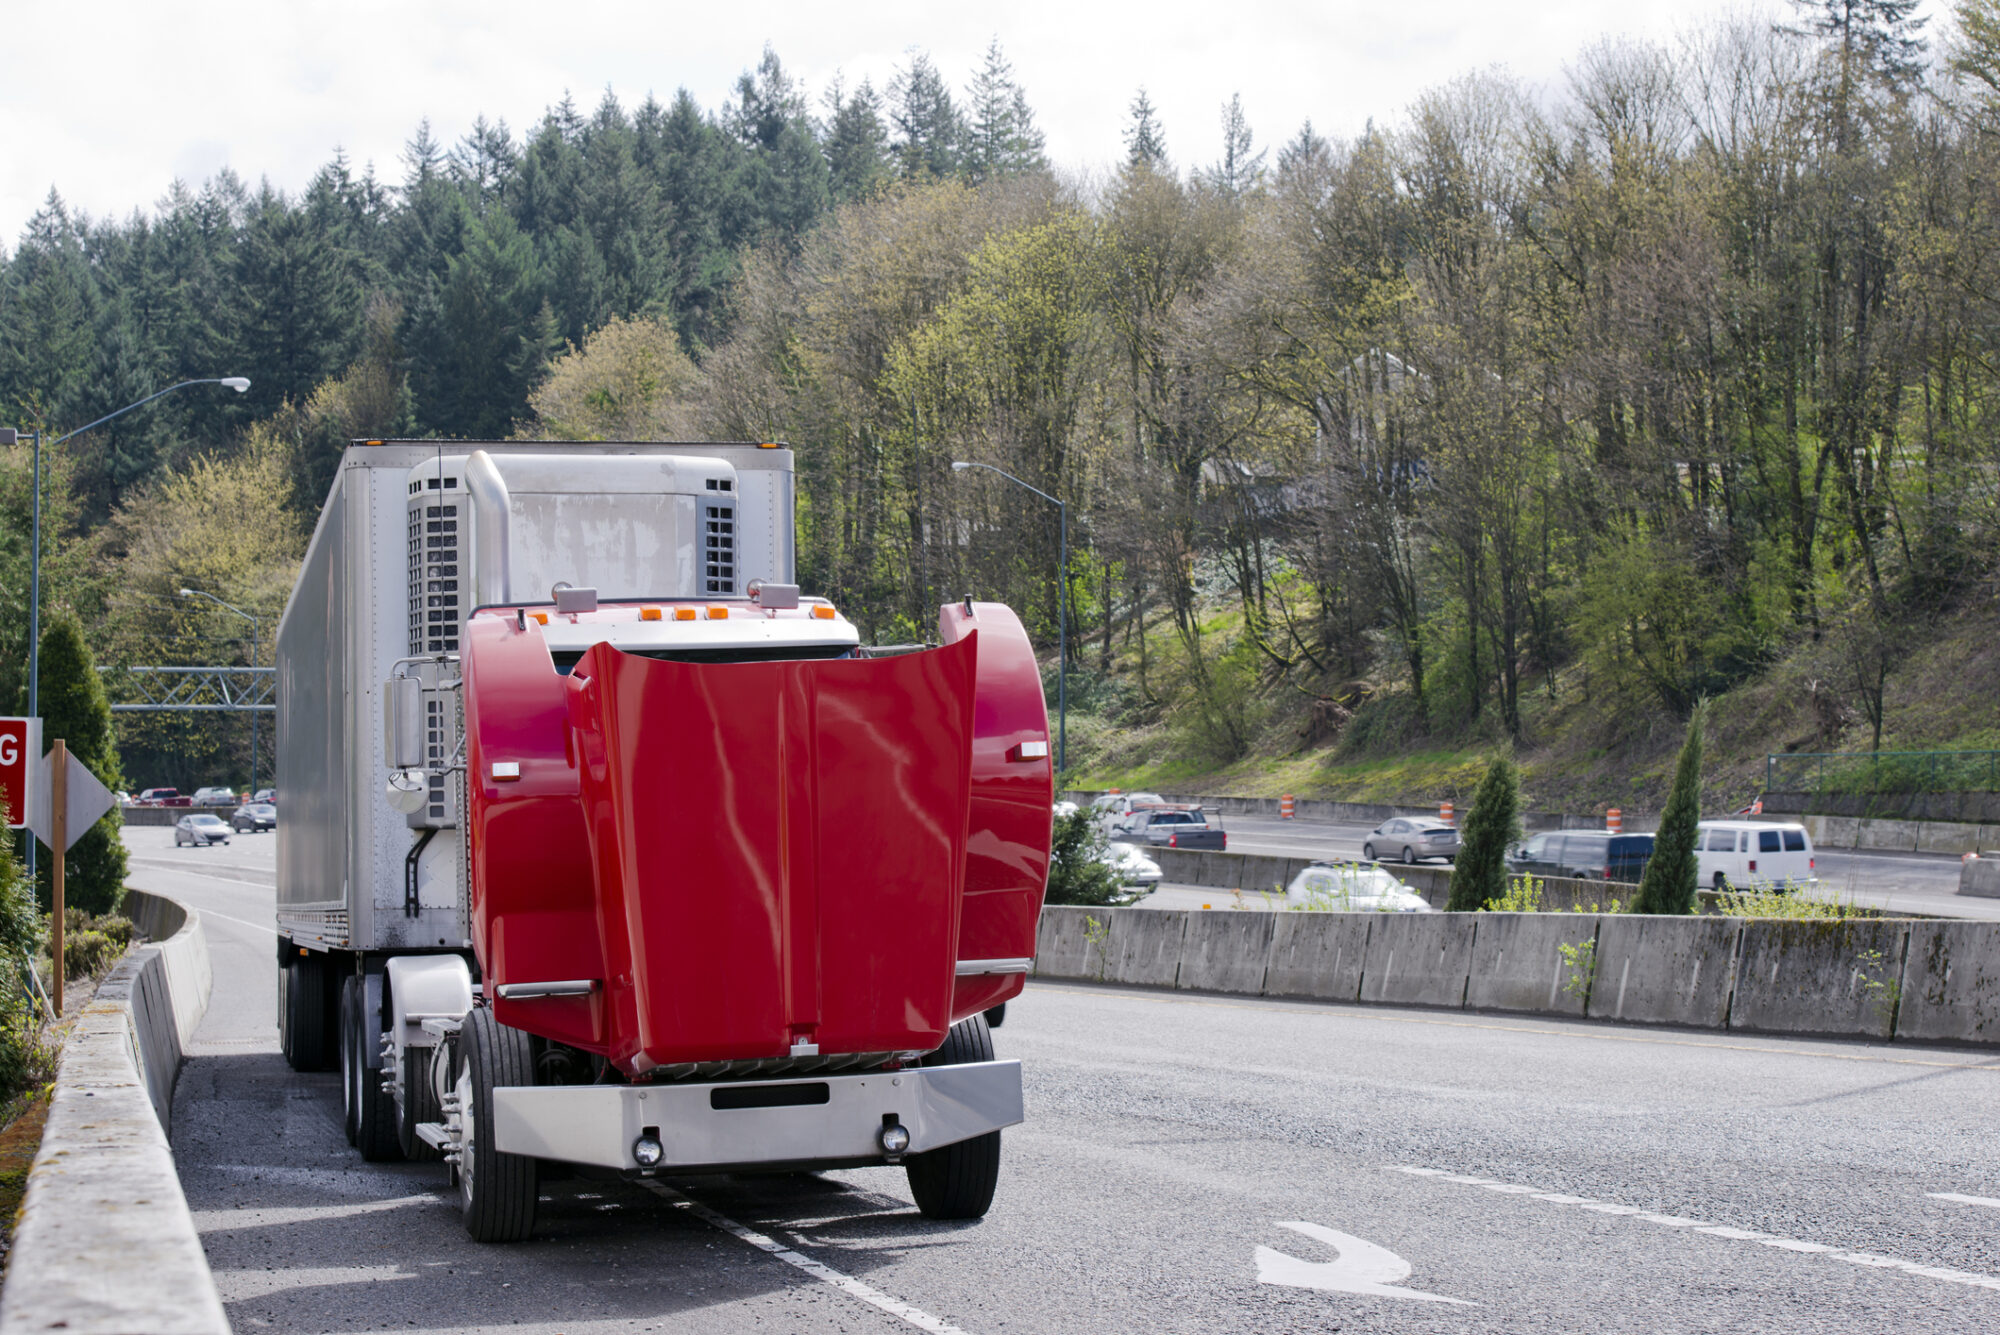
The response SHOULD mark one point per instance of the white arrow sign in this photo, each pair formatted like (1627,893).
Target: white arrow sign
(88,800)
(1361,1267)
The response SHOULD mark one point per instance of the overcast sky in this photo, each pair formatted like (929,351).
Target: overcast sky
(109,102)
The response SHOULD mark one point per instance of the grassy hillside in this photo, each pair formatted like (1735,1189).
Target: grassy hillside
(1579,751)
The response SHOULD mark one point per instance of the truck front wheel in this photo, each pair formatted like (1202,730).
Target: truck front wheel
(495,1191)
(957,1181)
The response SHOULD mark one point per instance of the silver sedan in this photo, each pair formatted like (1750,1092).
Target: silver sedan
(1411,839)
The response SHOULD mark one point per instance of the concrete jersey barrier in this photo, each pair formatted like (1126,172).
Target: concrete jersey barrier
(104,1244)
(1875,978)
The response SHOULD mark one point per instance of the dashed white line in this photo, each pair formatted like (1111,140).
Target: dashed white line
(826,1274)
(1963,1200)
(1870,1259)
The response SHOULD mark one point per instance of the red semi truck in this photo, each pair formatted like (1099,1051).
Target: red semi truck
(605,847)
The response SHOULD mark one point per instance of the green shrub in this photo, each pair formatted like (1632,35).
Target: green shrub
(1479,877)
(1668,885)
(1078,873)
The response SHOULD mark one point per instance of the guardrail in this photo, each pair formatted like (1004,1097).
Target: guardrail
(104,1244)
(1882,979)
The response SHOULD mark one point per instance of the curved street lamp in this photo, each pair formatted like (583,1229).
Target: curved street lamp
(1062,610)
(235,382)
(255,631)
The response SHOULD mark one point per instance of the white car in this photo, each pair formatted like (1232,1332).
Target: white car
(1132,865)
(215,797)
(1065,809)
(1352,887)
(200,831)
(1110,810)
(1762,854)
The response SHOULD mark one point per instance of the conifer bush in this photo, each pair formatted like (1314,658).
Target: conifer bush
(1479,877)
(1669,882)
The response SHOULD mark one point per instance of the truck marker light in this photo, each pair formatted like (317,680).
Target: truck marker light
(894,1139)
(824,613)
(647,1152)
(506,769)
(685,614)
(718,614)
(540,617)
(649,614)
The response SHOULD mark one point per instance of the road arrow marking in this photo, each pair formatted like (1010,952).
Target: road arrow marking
(1361,1267)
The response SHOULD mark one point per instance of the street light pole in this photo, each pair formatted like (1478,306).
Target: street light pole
(1062,609)
(254,635)
(235,382)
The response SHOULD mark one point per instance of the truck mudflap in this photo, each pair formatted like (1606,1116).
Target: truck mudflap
(737,1124)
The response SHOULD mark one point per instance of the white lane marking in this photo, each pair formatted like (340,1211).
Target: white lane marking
(1963,1200)
(826,1274)
(211,876)
(241,922)
(1359,1267)
(1870,1259)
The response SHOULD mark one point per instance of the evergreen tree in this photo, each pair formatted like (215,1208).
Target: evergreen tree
(299,302)
(75,709)
(1001,138)
(1479,875)
(1671,879)
(929,132)
(1884,36)
(856,142)
(1145,141)
(1241,169)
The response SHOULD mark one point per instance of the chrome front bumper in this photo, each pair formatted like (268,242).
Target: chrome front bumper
(834,1119)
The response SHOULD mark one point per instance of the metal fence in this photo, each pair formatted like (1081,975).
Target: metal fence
(1883,772)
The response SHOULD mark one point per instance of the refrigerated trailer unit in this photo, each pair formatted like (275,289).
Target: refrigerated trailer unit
(605,847)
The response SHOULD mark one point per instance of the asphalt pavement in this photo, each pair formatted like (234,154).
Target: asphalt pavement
(1925,883)
(1189,1163)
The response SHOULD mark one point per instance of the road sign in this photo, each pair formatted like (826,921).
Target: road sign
(87,800)
(20,744)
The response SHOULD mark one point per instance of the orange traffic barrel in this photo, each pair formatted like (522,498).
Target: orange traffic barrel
(1446,812)
(1286,807)
(1614,820)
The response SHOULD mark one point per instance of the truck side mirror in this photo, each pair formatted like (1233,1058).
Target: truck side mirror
(403,723)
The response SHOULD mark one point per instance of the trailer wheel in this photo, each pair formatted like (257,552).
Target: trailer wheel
(309,1029)
(420,1104)
(957,1181)
(371,1113)
(496,1191)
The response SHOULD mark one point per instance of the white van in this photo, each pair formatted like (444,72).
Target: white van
(1760,853)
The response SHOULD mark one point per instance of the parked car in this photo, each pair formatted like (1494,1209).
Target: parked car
(1109,810)
(253,817)
(200,831)
(1747,853)
(1132,865)
(1172,827)
(265,795)
(1411,839)
(1590,855)
(1352,887)
(1063,809)
(215,797)
(164,797)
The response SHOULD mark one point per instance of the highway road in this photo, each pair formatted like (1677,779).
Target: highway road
(1923,883)
(1190,1164)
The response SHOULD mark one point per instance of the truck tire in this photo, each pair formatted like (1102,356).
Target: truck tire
(495,1191)
(309,1030)
(420,1104)
(371,1113)
(957,1181)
